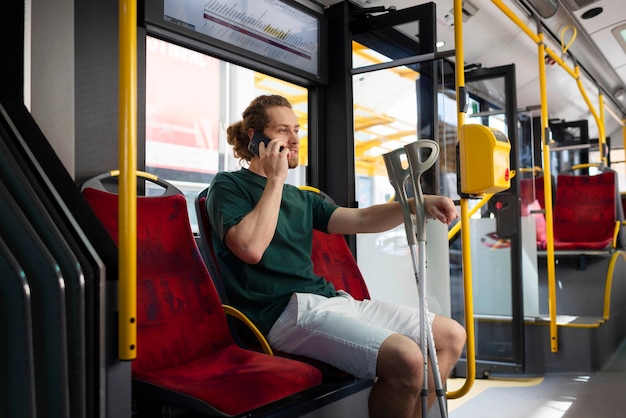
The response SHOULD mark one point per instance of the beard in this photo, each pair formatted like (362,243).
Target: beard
(293,161)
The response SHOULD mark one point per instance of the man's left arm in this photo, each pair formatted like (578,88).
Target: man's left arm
(379,218)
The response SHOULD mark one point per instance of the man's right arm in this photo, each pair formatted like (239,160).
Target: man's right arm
(249,239)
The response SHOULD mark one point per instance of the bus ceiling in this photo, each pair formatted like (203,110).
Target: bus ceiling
(590,34)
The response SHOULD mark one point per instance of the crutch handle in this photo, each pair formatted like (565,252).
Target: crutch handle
(398,177)
(418,165)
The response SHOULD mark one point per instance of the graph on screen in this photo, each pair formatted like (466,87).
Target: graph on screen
(270,28)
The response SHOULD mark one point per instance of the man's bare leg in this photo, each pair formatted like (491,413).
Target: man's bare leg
(400,369)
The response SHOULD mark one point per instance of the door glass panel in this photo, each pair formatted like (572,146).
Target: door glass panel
(385,118)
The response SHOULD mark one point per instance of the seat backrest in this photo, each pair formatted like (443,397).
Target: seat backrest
(531,189)
(585,210)
(330,253)
(206,242)
(179,314)
(333,260)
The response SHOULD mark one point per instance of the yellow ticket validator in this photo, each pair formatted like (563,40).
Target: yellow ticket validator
(484,159)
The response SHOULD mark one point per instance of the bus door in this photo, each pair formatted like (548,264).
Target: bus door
(394,96)
(503,262)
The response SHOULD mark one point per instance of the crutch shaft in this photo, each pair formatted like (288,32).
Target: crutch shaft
(416,237)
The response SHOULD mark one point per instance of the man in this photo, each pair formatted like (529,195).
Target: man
(263,231)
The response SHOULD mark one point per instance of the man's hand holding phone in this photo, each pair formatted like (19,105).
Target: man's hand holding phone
(273,165)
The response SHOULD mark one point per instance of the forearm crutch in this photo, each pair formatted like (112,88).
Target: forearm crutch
(416,238)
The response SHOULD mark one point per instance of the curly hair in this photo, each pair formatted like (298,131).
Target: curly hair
(254,117)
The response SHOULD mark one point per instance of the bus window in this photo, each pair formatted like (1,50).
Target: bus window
(191,99)
(385,118)
(617,163)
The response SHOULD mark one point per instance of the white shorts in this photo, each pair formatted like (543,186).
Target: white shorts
(342,331)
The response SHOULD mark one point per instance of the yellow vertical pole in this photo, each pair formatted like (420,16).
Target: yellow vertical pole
(601,133)
(547,185)
(470,348)
(127,285)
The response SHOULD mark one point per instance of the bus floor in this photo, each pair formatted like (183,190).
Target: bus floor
(599,394)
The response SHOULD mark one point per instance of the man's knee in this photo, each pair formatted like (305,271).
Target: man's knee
(449,335)
(400,360)
(459,336)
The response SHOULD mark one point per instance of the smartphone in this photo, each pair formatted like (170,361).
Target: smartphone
(257,138)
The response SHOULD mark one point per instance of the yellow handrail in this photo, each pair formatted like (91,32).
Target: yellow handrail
(575,73)
(470,348)
(618,226)
(535,170)
(609,283)
(139,173)
(236,313)
(456,228)
(565,47)
(583,166)
(127,284)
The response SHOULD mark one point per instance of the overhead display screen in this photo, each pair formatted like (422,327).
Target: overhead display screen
(270,28)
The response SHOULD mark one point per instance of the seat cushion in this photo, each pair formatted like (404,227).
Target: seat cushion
(234,380)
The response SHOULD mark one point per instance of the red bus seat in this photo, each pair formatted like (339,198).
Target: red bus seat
(532,189)
(332,259)
(585,211)
(330,253)
(186,355)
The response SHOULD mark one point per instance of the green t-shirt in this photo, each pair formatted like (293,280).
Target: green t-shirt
(262,291)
